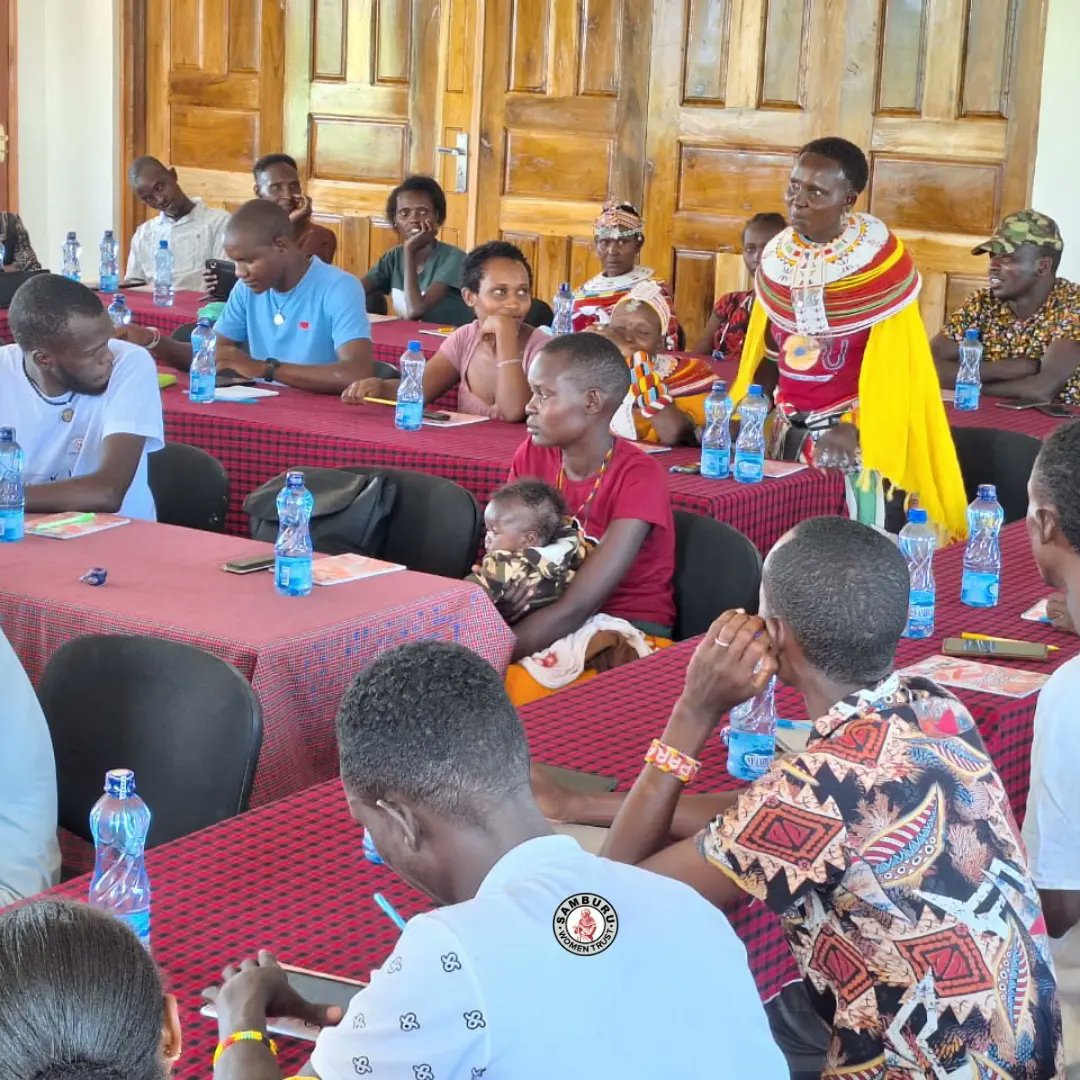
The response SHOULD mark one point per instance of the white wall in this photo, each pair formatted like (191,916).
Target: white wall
(68,120)
(1057,159)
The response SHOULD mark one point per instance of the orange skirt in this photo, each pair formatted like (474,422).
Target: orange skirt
(522,688)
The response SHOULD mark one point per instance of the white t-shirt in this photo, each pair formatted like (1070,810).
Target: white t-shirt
(58,449)
(484,988)
(1051,830)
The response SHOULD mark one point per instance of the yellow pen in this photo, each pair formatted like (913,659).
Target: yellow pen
(1004,640)
(379,401)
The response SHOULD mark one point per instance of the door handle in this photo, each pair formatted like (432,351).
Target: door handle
(3,144)
(461,162)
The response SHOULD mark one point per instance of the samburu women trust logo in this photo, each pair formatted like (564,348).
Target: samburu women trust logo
(585,924)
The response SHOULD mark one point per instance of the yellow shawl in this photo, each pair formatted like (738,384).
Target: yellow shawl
(903,429)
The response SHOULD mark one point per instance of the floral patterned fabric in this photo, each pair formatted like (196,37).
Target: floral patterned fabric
(889,850)
(733,311)
(1005,337)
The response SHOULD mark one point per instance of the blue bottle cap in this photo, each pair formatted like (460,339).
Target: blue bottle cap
(987,491)
(72,236)
(108,234)
(971,334)
(294,479)
(917,516)
(162,244)
(7,434)
(119,783)
(414,346)
(755,390)
(719,387)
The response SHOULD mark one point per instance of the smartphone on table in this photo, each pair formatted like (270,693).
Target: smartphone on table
(249,564)
(314,986)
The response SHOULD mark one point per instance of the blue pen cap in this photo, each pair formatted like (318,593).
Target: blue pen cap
(120,783)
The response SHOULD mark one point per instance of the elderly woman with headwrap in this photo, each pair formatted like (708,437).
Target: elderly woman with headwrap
(666,402)
(619,234)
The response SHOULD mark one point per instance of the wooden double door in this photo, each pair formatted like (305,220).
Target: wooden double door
(690,109)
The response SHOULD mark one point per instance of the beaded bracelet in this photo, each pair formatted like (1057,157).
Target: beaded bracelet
(244,1036)
(667,759)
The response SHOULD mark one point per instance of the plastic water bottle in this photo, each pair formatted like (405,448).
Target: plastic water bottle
(982,558)
(3,253)
(72,249)
(203,370)
(109,267)
(409,412)
(119,823)
(371,853)
(163,267)
(716,439)
(752,735)
(12,493)
(119,312)
(292,552)
(969,377)
(750,445)
(563,320)
(918,542)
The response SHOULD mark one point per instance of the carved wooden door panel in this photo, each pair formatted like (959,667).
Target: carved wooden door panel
(941,94)
(562,126)
(214,91)
(366,89)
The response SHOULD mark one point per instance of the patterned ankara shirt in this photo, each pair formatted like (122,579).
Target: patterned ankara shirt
(1005,337)
(890,852)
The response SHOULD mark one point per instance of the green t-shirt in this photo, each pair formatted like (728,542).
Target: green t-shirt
(443,264)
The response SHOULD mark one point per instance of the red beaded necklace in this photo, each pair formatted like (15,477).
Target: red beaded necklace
(582,514)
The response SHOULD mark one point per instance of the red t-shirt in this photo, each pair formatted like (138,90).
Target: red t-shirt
(634,486)
(812,379)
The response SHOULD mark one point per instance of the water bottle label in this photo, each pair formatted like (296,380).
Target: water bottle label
(203,386)
(292,574)
(966,396)
(920,622)
(409,415)
(749,468)
(11,526)
(750,755)
(139,921)
(108,283)
(979,589)
(715,463)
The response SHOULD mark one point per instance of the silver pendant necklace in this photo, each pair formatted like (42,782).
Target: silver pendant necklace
(68,413)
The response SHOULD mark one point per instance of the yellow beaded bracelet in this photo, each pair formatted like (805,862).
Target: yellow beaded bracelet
(244,1036)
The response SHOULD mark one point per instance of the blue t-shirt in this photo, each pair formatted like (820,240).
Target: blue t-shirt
(325,309)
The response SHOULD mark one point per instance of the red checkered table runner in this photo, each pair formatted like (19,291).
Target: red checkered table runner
(257,441)
(299,653)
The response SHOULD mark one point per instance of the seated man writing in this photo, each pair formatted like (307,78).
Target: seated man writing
(86,409)
(195,232)
(486,359)
(616,493)
(666,402)
(291,318)
(504,977)
(887,846)
(1028,318)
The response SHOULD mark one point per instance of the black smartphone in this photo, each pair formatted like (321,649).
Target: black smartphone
(228,377)
(249,564)
(225,272)
(1058,412)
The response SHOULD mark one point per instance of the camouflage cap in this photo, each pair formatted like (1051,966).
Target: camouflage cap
(1023,227)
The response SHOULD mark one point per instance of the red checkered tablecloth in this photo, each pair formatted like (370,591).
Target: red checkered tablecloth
(298,653)
(257,441)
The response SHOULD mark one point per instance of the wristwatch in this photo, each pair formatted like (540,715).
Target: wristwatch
(271,367)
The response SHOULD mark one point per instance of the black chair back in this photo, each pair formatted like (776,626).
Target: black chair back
(716,568)
(188,723)
(436,525)
(540,313)
(190,487)
(1002,458)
